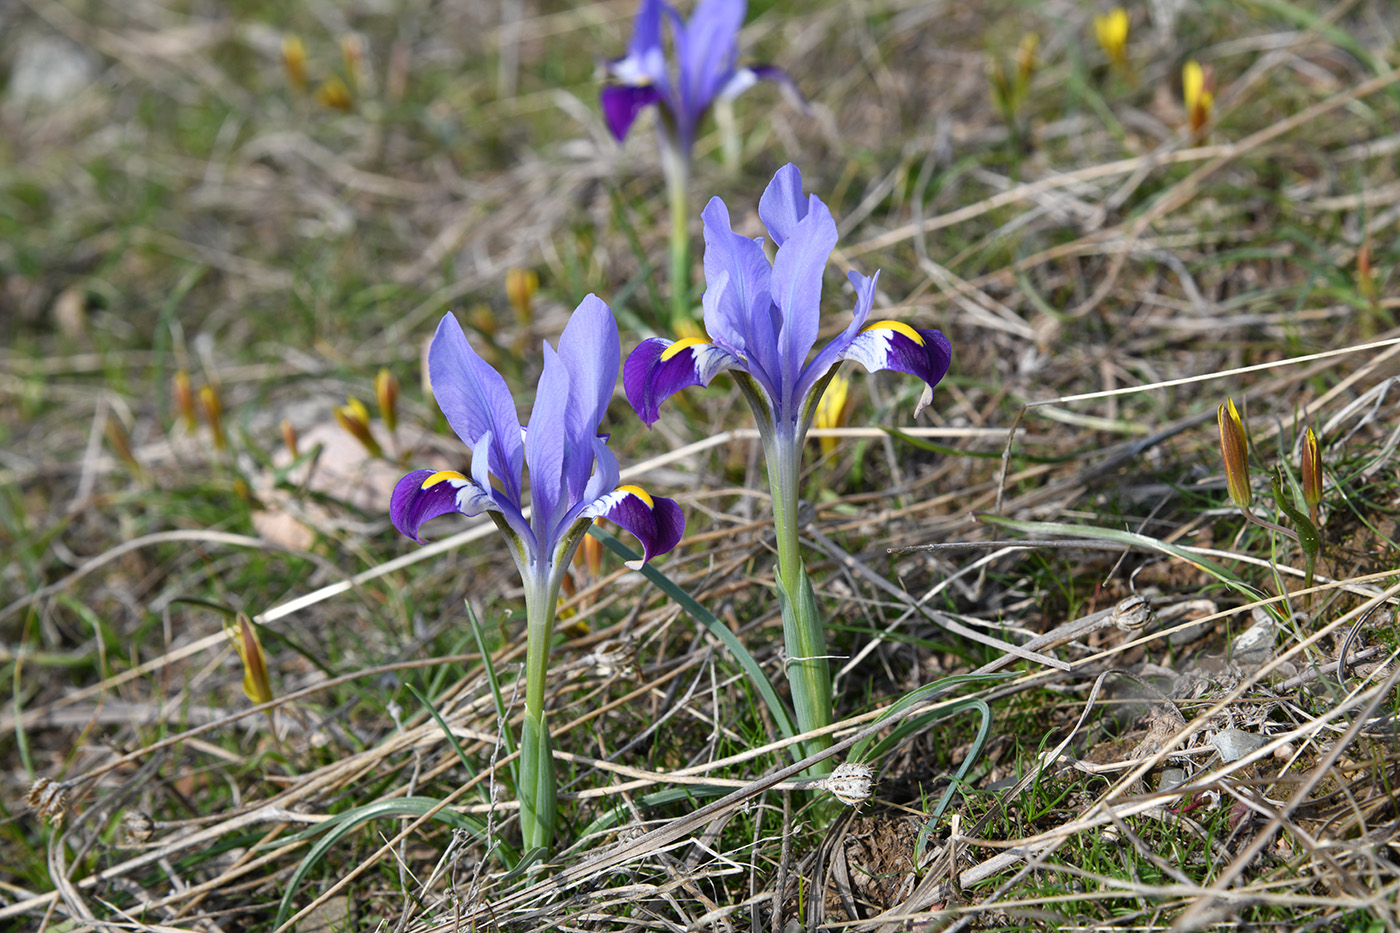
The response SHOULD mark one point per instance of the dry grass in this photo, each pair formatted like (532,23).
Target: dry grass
(1105,285)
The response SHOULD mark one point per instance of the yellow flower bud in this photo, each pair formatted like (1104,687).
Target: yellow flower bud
(386,391)
(1112,33)
(213,410)
(1198,91)
(294,61)
(352,51)
(521,286)
(250,651)
(833,409)
(354,418)
(1234,445)
(1311,470)
(334,94)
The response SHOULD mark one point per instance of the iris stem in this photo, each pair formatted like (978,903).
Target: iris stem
(537,790)
(809,675)
(675,164)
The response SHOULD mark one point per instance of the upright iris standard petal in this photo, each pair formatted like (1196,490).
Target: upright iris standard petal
(708,50)
(475,400)
(797,288)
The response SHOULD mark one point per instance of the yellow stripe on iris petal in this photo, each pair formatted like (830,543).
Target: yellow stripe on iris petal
(441,476)
(685,343)
(898,327)
(640,493)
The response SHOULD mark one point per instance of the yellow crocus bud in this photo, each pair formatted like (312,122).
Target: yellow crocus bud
(1311,470)
(1112,32)
(213,410)
(832,409)
(244,636)
(590,557)
(386,392)
(354,418)
(1198,91)
(120,442)
(289,438)
(334,94)
(1234,446)
(294,62)
(184,400)
(521,286)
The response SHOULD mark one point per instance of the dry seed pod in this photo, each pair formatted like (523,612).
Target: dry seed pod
(851,783)
(49,799)
(1131,613)
(138,826)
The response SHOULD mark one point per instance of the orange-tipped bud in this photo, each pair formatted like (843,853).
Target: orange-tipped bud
(833,409)
(1112,33)
(1365,276)
(1311,470)
(184,400)
(213,409)
(1198,91)
(294,62)
(334,94)
(521,286)
(244,636)
(386,392)
(1234,445)
(289,438)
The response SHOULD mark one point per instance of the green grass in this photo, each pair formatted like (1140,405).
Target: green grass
(189,210)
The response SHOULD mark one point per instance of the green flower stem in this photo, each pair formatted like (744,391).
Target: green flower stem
(536,790)
(676,167)
(808,674)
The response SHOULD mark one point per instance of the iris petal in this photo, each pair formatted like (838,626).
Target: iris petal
(897,346)
(659,368)
(622,104)
(476,401)
(654,521)
(424,495)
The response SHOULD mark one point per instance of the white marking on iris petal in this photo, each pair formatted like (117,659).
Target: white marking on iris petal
(742,80)
(872,349)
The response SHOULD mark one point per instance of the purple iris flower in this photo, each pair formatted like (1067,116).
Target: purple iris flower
(573,475)
(763,321)
(706,68)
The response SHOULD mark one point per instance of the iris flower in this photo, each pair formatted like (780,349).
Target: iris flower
(706,68)
(573,479)
(703,69)
(762,320)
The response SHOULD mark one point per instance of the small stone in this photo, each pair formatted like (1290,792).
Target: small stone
(1234,744)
